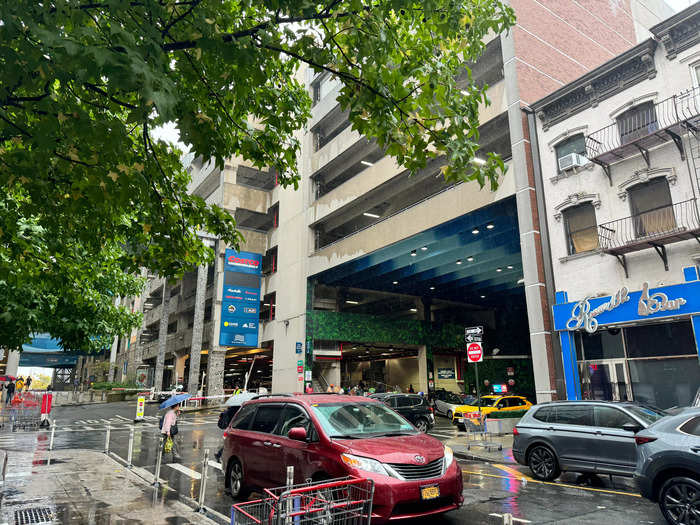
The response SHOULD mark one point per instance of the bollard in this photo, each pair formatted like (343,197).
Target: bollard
(290,483)
(130,452)
(53,429)
(109,431)
(159,459)
(507,519)
(4,467)
(203,482)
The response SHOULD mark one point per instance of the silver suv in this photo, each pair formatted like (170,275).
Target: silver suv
(581,436)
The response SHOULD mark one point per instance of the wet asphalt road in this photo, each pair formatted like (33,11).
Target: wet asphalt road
(490,490)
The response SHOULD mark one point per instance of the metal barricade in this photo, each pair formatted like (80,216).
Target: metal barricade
(477,432)
(342,501)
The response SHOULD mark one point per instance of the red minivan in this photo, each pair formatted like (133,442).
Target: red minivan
(325,436)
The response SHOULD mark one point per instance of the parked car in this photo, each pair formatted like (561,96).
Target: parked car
(325,436)
(581,436)
(489,404)
(413,407)
(668,466)
(446,403)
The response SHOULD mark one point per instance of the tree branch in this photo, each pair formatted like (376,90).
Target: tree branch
(94,88)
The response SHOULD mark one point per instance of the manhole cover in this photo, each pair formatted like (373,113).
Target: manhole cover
(33,515)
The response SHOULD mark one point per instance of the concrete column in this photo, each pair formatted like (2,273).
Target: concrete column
(113,351)
(162,338)
(422,386)
(197,329)
(12,363)
(530,240)
(179,370)
(215,371)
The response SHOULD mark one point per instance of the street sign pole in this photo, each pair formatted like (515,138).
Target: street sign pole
(478,389)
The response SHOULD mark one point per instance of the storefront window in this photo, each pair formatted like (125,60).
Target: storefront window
(603,344)
(665,383)
(660,340)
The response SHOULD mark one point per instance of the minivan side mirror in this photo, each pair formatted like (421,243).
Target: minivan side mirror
(632,427)
(297,434)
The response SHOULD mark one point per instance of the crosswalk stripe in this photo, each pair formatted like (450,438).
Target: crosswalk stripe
(122,417)
(216,465)
(187,471)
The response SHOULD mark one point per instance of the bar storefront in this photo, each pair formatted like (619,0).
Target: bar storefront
(633,345)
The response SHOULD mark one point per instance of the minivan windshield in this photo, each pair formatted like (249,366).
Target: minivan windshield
(646,413)
(361,420)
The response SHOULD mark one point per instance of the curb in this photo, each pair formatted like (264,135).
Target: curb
(475,457)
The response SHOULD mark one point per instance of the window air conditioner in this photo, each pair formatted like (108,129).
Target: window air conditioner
(572,160)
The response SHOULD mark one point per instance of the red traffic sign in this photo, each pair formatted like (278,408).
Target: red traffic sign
(475,353)
(300,369)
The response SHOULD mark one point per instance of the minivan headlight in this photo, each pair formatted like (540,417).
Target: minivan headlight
(449,457)
(366,464)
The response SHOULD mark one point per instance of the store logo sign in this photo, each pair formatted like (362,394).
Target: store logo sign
(583,317)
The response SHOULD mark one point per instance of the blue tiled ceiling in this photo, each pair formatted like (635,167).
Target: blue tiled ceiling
(491,249)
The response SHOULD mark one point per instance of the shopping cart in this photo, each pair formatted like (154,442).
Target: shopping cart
(25,411)
(342,501)
(477,432)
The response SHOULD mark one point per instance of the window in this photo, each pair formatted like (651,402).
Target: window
(172,327)
(660,340)
(267,308)
(692,427)
(269,262)
(545,414)
(574,144)
(266,418)
(243,418)
(403,402)
(652,209)
(503,403)
(637,122)
(574,415)
(611,417)
(324,87)
(292,417)
(516,402)
(360,420)
(581,228)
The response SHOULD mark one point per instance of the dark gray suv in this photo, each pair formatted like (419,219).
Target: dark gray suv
(581,436)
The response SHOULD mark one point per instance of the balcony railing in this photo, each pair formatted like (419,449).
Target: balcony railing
(653,228)
(649,126)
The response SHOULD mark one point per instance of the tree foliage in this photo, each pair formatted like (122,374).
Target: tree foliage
(89,193)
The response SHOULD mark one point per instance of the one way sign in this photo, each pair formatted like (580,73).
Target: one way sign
(472,338)
(473,334)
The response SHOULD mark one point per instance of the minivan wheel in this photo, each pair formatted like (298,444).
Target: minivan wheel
(236,480)
(422,424)
(449,415)
(679,501)
(543,463)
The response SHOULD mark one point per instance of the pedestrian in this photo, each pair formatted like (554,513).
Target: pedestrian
(309,389)
(29,382)
(169,429)
(410,389)
(10,390)
(19,384)
(76,384)
(330,389)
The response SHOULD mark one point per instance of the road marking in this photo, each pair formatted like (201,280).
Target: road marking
(566,485)
(187,471)
(514,472)
(122,417)
(520,520)
(88,428)
(216,465)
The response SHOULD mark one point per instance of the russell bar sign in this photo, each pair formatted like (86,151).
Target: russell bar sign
(623,307)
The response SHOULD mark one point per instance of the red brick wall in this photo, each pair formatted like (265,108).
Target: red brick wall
(557,41)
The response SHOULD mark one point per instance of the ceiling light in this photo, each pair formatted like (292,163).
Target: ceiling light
(490,226)
(475,231)
(413,253)
(414,309)
(372,215)
(395,282)
(510,267)
(367,163)
(424,248)
(432,288)
(478,160)
(459,261)
(499,269)
(352,302)
(483,297)
(470,259)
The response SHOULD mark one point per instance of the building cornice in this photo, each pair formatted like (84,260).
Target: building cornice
(679,32)
(616,75)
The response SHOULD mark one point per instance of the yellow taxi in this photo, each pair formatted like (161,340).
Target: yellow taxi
(490,403)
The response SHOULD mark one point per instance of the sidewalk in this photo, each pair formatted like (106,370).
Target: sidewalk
(475,450)
(83,486)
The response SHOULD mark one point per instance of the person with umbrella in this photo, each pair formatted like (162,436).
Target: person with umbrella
(169,424)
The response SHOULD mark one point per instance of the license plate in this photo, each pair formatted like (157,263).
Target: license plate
(430,492)
(460,419)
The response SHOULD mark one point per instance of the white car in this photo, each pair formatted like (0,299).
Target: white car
(446,402)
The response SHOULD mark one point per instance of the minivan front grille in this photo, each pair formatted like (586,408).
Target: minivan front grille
(427,471)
